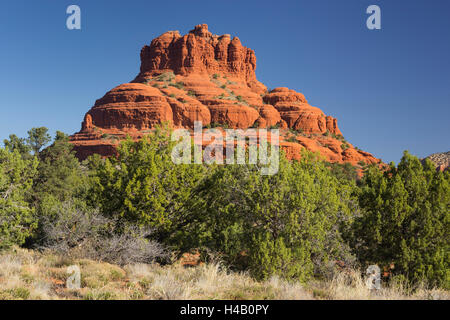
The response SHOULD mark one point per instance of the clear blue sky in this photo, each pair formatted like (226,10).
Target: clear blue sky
(389,89)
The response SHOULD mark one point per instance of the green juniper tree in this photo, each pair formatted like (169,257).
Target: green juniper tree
(60,176)
(406,220)
(19,144)
(288,224)
(142,185)
(17,219)
(38,138)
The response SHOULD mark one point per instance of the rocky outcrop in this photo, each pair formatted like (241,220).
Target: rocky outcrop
(440,160)
(204,77)
(199,52)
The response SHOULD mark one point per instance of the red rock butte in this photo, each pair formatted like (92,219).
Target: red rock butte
(204,77)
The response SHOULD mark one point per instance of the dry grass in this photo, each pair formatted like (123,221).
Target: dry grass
(28,274)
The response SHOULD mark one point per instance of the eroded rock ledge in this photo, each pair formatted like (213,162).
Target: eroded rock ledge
(204,77)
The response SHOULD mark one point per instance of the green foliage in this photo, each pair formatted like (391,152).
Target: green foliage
(406,220)
(213,125)
(19,144)
(167,76)
(142,185)
(60,176)
(343,171)
(17,220)
(295,224)
(276,126)
(344,146)
(338,137)
(37,138)
(292,139)
(179,85)
(286,224)
(271,257)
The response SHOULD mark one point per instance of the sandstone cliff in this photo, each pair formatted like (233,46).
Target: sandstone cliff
(204,77)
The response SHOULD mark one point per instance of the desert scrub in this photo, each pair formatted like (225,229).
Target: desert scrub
(213,125)
(275,126)
(338,137)
(99,295)
(92,235)
(167,76)
(15,294)
(292,139)
(344,146)
(178,85)
(104,281)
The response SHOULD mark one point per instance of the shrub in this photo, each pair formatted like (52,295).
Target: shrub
(343,171)
(17,219)
(167,76)
(406,220)
(79,232)
(287,224)
(38,138)
(142,185)
(276,126)
(60,176)
(179,85)
(19,144)
(292,139)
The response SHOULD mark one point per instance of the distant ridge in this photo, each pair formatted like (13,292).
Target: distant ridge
(440,159)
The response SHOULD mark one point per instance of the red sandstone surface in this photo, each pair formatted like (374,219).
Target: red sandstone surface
(204,77)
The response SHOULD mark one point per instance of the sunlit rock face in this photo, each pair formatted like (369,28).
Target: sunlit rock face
(204,77)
